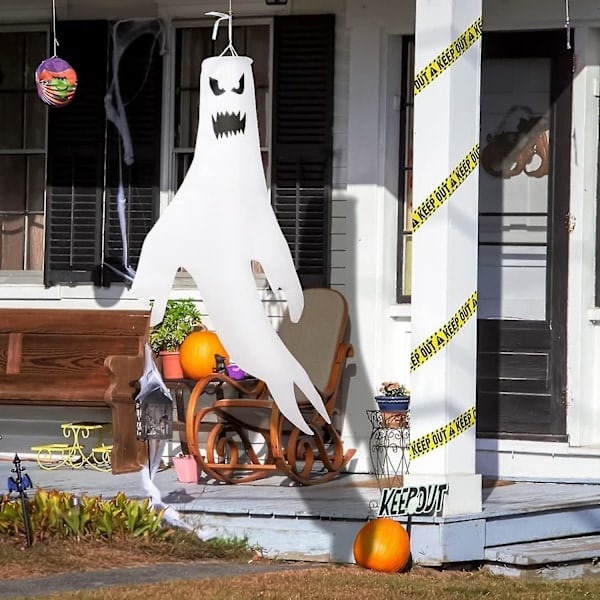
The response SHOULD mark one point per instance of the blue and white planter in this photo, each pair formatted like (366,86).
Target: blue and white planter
(392,403)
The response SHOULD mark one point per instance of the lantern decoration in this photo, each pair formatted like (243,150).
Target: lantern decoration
(56,81)
(153,404)
(382,545)
(202,354)
(154,413)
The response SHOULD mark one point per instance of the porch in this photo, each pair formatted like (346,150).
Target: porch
(552,529)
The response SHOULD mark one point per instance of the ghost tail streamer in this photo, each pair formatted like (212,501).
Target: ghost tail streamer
(171,516)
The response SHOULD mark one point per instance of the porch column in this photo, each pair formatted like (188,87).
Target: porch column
(444,268)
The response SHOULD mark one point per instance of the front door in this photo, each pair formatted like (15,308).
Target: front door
(523,235)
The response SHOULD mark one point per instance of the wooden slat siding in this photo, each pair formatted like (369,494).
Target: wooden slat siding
(53,391)
(15,349)
(304,49)
(83,358)
(65,321)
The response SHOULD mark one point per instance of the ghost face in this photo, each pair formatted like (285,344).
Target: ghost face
(227,101)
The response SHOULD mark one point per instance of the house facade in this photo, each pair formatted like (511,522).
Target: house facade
(335,98)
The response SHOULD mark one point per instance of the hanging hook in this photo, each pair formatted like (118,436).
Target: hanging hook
(221,16)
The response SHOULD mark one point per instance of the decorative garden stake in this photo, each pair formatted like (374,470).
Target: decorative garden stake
(19,483)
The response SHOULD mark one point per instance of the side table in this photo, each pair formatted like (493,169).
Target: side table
(388,445)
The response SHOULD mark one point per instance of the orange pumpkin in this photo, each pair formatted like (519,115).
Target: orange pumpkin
(197,354)
(382,545)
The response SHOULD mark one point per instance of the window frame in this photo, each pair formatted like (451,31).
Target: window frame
(26,276)
(406,106)
(170,152)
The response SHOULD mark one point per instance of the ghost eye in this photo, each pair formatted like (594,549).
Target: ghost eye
(240,88)
(214,86)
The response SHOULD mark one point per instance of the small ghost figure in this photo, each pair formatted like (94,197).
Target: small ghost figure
(218,222)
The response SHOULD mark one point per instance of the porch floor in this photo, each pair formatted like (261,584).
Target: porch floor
(524,527)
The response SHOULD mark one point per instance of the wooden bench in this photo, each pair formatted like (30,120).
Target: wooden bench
(77,358)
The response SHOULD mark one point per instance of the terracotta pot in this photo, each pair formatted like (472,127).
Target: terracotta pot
(171,367)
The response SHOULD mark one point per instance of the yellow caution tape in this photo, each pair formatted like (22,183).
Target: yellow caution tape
(443,191)
(448,57)
(436,341)
(442,435)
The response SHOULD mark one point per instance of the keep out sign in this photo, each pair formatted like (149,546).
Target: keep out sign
(421,500)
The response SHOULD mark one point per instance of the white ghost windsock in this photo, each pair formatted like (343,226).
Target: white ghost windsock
(218,222)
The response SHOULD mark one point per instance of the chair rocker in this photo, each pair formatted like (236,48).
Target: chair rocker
(247,436)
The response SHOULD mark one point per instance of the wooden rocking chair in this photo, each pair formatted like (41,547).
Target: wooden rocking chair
(248,438)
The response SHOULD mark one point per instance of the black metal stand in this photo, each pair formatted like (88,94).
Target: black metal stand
(388,444)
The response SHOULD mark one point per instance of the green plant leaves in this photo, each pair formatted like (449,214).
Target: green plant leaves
(181,316)
(61,515)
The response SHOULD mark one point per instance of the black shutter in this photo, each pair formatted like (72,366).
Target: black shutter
(304,48)
(140,77)
(76,160)
(82,224)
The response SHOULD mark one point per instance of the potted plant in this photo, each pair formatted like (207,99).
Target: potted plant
(393,397)
(180,319)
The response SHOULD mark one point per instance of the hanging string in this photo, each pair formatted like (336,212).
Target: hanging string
(54,27)
(229,18)
(567,24)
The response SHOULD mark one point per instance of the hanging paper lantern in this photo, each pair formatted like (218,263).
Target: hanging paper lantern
(56,81)
(198,354)
(382,545)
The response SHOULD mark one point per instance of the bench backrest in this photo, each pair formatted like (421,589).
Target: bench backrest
(57,355)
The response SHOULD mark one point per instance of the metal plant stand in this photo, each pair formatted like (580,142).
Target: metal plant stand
(388,444)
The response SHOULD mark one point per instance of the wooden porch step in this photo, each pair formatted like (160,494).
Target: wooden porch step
(546,552)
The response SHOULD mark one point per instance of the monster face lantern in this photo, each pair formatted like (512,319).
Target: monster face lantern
(56,81)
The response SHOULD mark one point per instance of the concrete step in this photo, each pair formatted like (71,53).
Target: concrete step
(557,558)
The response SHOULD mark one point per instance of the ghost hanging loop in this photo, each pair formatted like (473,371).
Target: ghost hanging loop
(229,17)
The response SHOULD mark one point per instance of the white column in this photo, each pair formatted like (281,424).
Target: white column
(445,193)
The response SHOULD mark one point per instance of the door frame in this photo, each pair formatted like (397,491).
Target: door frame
(549,44)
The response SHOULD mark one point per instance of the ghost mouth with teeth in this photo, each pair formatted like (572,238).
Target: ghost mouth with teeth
(228,123)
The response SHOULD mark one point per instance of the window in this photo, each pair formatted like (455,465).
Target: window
(295,94)
(78,150)
(22,152)
(404,264)
(193,45)
(84,238)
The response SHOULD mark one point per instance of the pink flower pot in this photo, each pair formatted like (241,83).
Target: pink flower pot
(186,469)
